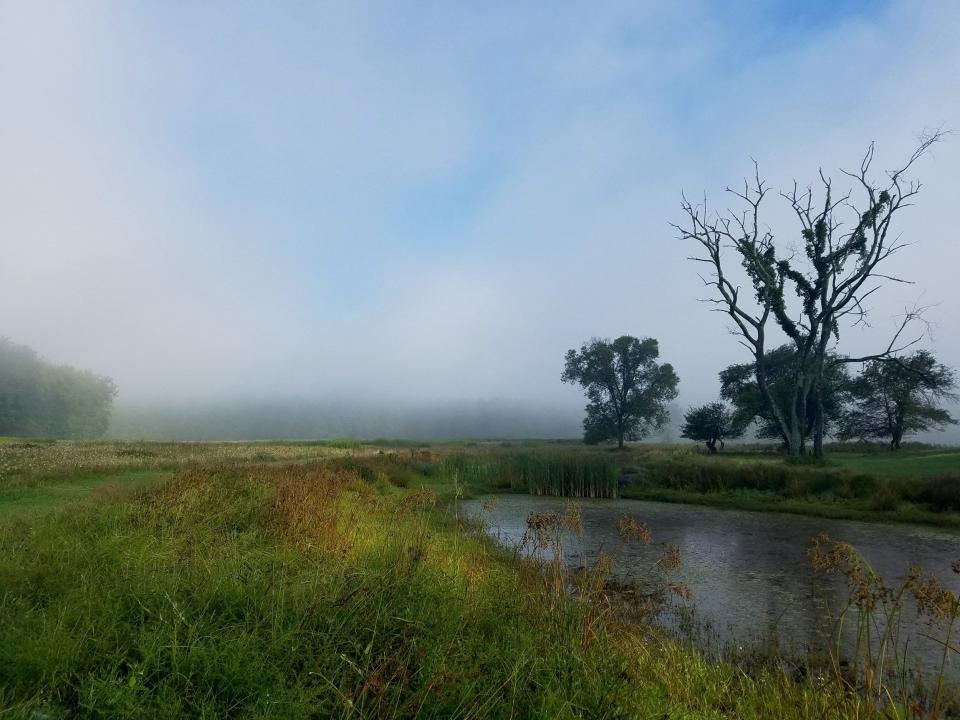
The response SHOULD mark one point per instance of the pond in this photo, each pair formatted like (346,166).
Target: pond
(750,574)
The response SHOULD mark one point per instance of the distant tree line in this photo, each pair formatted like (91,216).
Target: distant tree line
(239,418)
(40,399)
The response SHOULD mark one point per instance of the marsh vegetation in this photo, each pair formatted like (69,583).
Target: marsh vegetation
(305,580)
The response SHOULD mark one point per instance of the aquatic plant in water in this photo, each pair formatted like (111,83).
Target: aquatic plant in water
(879,668)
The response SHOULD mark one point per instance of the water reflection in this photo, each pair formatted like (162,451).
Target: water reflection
(749,572)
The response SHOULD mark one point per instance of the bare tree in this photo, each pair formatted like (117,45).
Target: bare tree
(840,268)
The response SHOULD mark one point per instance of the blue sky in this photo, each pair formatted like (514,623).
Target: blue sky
(429,199)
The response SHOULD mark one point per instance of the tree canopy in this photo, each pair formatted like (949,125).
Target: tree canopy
(40,399)
(739,386)
(710,424)
(626,389)
(899,396)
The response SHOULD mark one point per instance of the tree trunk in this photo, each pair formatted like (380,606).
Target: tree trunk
(712,446)
(897,430)
(818,426)
(795,438)
(620,438)
(775,409)
(795,442)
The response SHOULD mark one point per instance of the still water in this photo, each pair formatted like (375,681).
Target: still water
(750,574)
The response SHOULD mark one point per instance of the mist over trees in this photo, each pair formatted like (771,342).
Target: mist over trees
(627,390)
(40,399)
(796,389)
(312,419)
(710,424)
(899,396)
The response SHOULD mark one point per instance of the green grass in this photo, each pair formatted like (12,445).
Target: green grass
(914,485)
(539,472)
(856,481)
(759,501)
(930,462)
(36,499)
(37,462)
(918,485)
(307,591)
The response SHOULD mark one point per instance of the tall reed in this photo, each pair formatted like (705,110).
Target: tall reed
(567,474)
(879,666)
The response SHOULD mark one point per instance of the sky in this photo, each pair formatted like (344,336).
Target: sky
(434,201)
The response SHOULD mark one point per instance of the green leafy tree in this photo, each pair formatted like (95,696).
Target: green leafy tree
(39,399)
(739,386)
(898,397)
(710,424)
(626,389)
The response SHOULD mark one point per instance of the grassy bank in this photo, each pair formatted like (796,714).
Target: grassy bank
(920,486)
(771,502)
(914,486)
(917,484)
(35,463)
(332,589)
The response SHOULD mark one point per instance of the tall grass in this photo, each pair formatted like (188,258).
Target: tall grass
(708,474)
(303,591)
(31,463)
(567,474)
(700,474)
(879,670)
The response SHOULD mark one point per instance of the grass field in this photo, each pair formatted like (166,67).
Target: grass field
(314,581)
(906,463)
(41,497)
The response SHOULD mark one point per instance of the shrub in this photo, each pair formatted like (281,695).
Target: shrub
(701,474)
(421,467)
(864,485)
(939,494)
(886,499)
(345,444)
(399,479)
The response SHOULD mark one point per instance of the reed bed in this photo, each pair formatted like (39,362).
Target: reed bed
(565,474)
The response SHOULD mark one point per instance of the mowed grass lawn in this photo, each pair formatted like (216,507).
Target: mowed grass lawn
(904,463)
